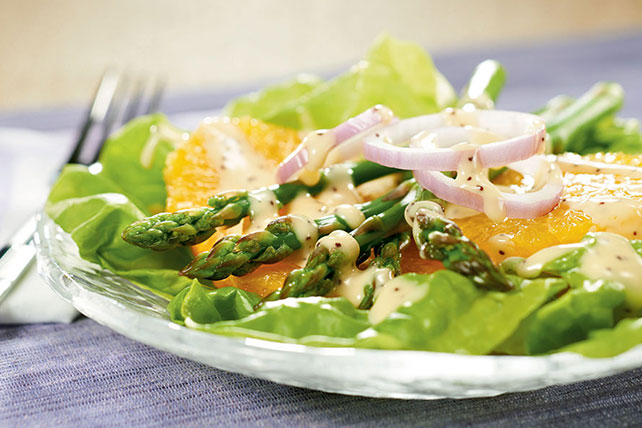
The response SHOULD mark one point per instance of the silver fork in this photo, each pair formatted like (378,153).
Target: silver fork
(117,100)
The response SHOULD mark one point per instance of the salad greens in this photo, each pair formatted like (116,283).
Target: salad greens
(557,310)
(95,205)
(395,73)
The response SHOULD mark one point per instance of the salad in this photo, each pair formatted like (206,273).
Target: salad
(379,209)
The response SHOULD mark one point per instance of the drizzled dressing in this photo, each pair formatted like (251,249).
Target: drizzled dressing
(353,279)
(395,293)
(338,191)
(263,209)
(318,145)
(307,233)
(611,258)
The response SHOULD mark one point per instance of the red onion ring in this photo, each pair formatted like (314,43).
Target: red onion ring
(349,130)
(527,205)
(524,136)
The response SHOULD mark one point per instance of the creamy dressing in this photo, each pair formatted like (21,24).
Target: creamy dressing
(307,232)
(350,214)
(354,281)
(338,191)
(394,294)
(502,243)
(158,133)
(263,209)
(575,164)
(473,178)
(532,266)
(460,117)
(619,215)
(613,258)
(415,210)
(317,144)
(238,165)
(340,240)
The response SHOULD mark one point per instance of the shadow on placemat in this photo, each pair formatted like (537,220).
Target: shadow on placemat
(84,374)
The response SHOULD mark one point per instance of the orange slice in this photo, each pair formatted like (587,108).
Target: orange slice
(566,223)
(192,172)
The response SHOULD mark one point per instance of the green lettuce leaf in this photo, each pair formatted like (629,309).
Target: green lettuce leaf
(609,342)
(268,101)
(121,163)
(395,73)
(315,321)
(455,316)
(94,205)
(568,319)
(95,223)
(204,305)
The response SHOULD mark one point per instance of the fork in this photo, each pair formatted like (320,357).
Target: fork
(117,100)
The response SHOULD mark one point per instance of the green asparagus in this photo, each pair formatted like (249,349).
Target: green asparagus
(484,86)
(387,256)
(322,271)
(239,255)
(567,128)
(191,226)
(439,238)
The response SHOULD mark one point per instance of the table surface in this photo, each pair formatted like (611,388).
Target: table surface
(84,374)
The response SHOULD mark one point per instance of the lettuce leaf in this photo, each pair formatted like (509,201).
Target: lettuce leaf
(95,205)
(203,305)
(395,73)
(568,319)
(315,321)
(609,342)
(268,101)
(455,316)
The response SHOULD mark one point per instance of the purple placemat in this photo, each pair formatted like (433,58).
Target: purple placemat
(84,374)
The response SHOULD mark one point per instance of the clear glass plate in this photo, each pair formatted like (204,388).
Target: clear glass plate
(140,315)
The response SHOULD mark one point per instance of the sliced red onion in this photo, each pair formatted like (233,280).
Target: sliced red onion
(549,187)
(523,133)
(350,130)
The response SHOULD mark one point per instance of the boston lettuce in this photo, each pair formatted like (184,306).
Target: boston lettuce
(316,321)
(94,205)
(609,342)
(456,316)
(395,73)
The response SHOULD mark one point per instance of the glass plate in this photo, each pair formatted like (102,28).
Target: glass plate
(140,315)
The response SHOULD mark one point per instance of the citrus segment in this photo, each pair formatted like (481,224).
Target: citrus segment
(575,216)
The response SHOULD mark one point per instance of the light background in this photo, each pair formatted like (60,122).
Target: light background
(52,52)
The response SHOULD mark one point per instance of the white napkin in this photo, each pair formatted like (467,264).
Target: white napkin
(28,160)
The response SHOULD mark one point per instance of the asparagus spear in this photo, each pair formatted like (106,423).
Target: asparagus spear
(439,238)
(569,126)
(189,227)
(240,255)
(387,255)
(324,267)
(484,86)
(554,107)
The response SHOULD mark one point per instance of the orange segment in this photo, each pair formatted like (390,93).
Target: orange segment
(192,177)
(412,262)
(264,280)
(564,224)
